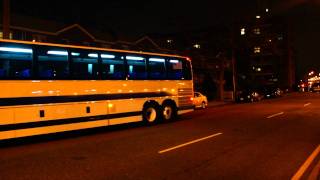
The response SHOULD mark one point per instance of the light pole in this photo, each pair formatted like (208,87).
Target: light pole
(6,19)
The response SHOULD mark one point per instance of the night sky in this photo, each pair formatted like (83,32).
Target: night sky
(141,16)
(149,16)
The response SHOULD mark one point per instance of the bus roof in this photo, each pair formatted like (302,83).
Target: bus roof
(93,48)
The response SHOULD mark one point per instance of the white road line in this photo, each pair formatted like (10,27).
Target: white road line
(306,164)
(308,104)
(315,172)
(274,115)
(188,143)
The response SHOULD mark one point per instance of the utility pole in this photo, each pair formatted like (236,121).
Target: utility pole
(221,80)
(234,80)
(233,59)
(6,19)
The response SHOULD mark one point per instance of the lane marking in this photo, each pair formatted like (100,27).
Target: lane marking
(306,164)
(308,104)
(188,143)
(274,115)
(315,172)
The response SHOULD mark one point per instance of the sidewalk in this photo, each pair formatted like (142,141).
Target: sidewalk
(216,103)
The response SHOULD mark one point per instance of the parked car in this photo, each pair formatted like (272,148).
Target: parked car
(200,100)
(248,95)
(271,92)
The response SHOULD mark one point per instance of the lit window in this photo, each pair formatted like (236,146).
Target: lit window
(257,49)
(243,31)
(259,69)
(256,31)
(39,38)
(10,35)
(197,46)
(258,17)
(169,41)
(267,10)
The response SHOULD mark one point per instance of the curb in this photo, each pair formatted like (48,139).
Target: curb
(218,104)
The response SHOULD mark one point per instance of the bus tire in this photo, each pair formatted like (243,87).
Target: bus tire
(169,111)
(151,113)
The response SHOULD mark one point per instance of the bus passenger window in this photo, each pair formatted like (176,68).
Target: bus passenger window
(136,66)
(112,67)
(157,68)
(15,62)
(53,63)
(187,73)
(175,69)
(85,65)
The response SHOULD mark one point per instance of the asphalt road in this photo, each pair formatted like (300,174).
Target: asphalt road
(271,139)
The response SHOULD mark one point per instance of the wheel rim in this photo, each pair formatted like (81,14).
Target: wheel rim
(167,112)
(203,105)
(151,114)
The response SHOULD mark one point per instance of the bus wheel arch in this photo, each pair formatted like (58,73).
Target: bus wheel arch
(151,112)
(169,110)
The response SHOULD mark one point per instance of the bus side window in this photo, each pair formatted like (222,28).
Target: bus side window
(52,63)
(175,71)
(136,66)
(112,67)
(187,73)
(157,68)
(15,61)
(85,65)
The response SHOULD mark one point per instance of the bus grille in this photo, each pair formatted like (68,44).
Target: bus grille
(184,97)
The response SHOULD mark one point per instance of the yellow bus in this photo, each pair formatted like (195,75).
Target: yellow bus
(50,88)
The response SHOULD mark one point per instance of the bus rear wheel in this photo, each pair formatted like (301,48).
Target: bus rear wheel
(169,112)
(151,113)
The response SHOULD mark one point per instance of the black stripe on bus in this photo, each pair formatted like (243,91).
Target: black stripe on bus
(76,98)
(38,124)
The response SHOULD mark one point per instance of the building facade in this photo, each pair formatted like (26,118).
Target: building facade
(264,54)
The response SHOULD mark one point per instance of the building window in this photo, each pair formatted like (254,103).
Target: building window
(169,41)
(10,35)
(197,46)
(242,31)
(256,31)
(257,50)
(38,38)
